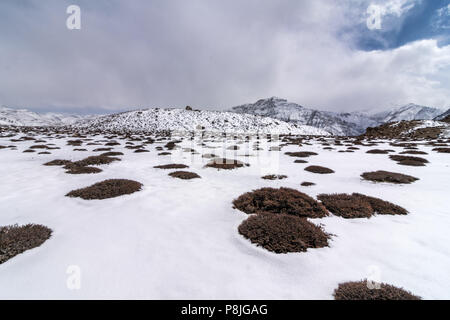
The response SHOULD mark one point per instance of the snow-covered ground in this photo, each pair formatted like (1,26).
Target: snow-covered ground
(178,239)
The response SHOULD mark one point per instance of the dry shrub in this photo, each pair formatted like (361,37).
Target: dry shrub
(95,160)
(377,151)
(442,150)
(102,149)
(386,176)
(111,154)
(283,233)
(112,143)
(283,200)
(300,161)
(233,148)
(79,149)
(75,143)
(185,175)
(274,177)
(227,164)
(171,166)
(319,169)
(307,184)
(360,291)
(164,153)
(57,162)
(140,151)
(44,152)
(29,151)
(74,169)
(39,146)
(358,205)
(413,152)
(396,157)
(301,154)
(107,189)
(15,240)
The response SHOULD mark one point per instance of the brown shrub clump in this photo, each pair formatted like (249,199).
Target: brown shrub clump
(377,151)
(172,166)
(15,240)
(358,205)
(301,154)
(300,161)
(360,291)
(185,175)
(409,161)
(283,200)
(307,184)
(319,169)
(442,150)
(57,162)
(111,154)
(283,233)
(227,164)
(95,161)
(386,176)
(413,152)
(274,177)
(74,169)
(107,189)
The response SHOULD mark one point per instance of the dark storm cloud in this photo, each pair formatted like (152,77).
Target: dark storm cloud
(209,54)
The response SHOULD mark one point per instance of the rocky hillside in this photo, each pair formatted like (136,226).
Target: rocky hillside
(350,123)
(416,129)
(156,119)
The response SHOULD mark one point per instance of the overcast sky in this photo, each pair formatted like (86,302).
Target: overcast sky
(214,54)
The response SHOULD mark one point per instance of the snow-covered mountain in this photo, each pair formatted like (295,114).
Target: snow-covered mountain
(444,116)
(334,123)
(350,123)
(408,112)
(23,117)
(156,119)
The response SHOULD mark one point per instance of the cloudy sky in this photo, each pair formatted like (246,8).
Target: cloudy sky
(214,54)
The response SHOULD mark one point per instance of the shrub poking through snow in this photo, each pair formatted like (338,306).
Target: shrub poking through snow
(74,169)
(15,240)
(185,175)
(301,154)
(274,177)
(282,233)
(300,161)
(283,200)
(358,205)
(386,176)
(442,150)
(95,160)
(111,154)
(57,162)
(378,151)
(360,291)
(106,189)
(409,161)
(319,169)
(413,152)
(172,166)
(307,184)
(227,164)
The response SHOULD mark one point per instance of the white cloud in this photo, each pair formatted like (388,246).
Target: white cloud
(208,54)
